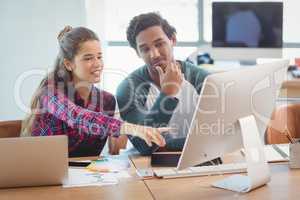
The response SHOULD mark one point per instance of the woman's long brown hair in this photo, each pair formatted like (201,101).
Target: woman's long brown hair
(70,40)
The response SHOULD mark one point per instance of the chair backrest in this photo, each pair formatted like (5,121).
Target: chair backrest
(283,117)
(10,128)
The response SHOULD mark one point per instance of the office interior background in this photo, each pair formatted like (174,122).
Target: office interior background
(29,46)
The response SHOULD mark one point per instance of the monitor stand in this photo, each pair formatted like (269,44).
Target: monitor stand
(257,166)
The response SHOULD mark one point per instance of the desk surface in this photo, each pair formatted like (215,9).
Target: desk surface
(284,185)
(124,190)
(132,188)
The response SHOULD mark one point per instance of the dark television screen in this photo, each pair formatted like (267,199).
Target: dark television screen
(247,24)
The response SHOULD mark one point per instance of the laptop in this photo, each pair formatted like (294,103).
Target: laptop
(33,161)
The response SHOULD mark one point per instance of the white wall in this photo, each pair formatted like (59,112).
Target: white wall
(28,41)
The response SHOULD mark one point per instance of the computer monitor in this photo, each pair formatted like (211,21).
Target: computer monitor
(246,31)
(224,99)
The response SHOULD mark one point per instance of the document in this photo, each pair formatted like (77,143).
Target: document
(80,177)
(109,164)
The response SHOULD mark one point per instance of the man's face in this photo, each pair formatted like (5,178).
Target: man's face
(155,48)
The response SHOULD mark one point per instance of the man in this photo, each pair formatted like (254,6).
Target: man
(153,39)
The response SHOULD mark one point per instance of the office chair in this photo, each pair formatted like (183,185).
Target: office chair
(10,128)
(287,116)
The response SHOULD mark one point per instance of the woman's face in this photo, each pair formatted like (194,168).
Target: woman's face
(87,65)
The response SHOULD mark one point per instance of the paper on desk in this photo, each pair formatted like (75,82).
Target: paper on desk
(79,177)
(109,164)
(275,152)
(284,148)
(145,173)
(273,155)
(121,174)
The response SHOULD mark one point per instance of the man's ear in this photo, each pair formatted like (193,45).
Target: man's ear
(68,65)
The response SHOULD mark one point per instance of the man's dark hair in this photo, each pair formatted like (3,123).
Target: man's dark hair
(144,21)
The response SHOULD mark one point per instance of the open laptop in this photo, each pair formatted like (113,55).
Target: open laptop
(33,161)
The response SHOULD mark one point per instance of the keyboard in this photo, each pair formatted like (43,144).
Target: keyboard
(202,170)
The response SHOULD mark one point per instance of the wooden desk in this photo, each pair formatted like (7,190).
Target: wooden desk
(126,190)
(132,188)
(284,185)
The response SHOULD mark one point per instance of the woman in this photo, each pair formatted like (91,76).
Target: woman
(67,102)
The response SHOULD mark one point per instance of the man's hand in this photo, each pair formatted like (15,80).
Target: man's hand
(171,79)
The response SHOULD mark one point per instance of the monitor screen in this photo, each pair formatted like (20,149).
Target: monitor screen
(247,24)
